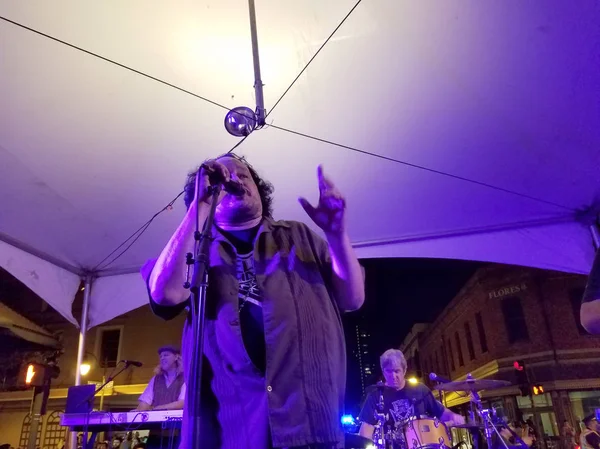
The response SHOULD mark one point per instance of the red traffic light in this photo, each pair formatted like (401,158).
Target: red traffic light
(38,375)
(30,374)
(519,366)
(35,375)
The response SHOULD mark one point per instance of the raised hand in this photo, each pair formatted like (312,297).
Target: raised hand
(329,214)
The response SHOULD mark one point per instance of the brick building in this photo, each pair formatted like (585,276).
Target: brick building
(410,349)
(504,314)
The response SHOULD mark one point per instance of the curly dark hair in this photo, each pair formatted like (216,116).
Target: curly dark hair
(265,188)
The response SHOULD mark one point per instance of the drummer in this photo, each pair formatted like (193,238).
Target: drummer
(401,399)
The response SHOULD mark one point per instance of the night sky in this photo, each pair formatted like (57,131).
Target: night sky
(400,293)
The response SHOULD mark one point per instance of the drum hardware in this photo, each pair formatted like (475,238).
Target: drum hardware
(490,421)
(382,437)
(420,433)
(471,384)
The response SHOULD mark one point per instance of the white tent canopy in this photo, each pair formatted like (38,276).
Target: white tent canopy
(502,93)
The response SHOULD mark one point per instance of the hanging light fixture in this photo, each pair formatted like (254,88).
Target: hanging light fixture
(241,121)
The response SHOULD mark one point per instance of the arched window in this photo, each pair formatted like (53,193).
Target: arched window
(26,428)
(54,433)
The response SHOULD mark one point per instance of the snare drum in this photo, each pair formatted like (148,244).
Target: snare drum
(426,433)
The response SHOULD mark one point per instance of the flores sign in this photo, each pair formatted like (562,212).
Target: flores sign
(506,291)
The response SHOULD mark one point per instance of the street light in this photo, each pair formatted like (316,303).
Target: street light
(86,367)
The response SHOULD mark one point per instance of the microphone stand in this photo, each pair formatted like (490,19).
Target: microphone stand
(382,441)
(198,287)
(106,382)
(90,444)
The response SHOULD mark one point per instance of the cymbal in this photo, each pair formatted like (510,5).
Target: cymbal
(472,385)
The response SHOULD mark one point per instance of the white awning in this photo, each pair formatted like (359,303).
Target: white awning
(22,328)
(481,119)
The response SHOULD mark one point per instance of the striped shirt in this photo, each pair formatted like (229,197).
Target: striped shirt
(299,399)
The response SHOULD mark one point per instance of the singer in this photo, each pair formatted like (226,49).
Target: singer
(401,400)
(275,363)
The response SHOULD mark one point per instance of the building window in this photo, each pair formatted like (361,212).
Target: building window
(470,346)
(450,355)
(109,347)
(514,319)
(461,361)
(575,295)
(481,332)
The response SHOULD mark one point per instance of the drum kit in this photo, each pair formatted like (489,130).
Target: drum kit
(419,432)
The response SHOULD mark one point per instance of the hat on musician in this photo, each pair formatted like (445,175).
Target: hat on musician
(588,419)
(169,348)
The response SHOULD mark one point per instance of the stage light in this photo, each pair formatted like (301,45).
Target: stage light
(240,121)
(413,380)
(347,420)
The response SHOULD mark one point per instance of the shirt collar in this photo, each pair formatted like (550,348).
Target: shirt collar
(266,225)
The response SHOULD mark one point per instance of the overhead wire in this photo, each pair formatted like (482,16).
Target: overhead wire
(135,236)
(111,61)
(421,167)
(314,56)
(138,233)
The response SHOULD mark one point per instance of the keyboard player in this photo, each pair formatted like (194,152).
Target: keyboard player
(166,390)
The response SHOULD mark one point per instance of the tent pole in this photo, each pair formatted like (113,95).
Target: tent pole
(81,348)
(83,326)
(258,84)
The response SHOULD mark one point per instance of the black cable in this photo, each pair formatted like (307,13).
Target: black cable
(139,233)
(421,167)
(314,56)
(237,144)
(96,55)
(143,228)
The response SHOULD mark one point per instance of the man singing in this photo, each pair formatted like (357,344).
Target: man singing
(401,400)
(274,342)
(590,305)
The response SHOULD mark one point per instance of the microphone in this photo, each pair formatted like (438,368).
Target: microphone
(440,379)
(132,362)
(231,186)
